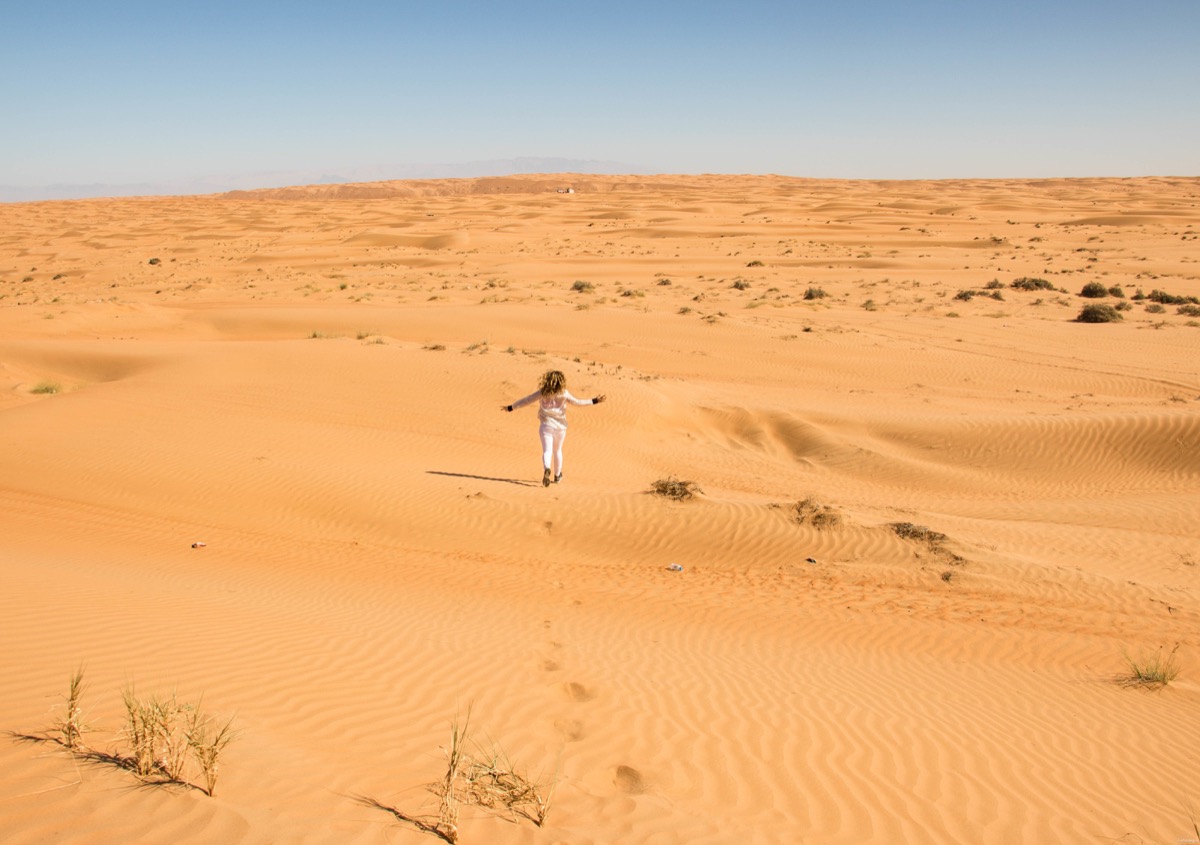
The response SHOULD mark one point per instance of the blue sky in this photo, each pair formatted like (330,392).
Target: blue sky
(168,93)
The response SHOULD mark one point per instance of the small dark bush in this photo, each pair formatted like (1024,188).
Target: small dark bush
(815,293)
(966,295)
(662,282)
(908,531)
(1027,283)
(754,264)
(1168,299)
(740,284)
(1189,310)
(1094,290)
(808,511)
(1098,314)
(994,284)
(1116,291)
(672,488)
(1154,308)
(581,286)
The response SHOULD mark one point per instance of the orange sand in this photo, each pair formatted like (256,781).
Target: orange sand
(309,382)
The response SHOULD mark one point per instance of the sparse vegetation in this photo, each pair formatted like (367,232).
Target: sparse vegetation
(740,284)
(1151,671)
(70,727)
(918,533)
(815,293)
(808,511)
(1094,290)
(1164,298)
(1028,283)
(673,488)
(486,778)
(580,286)
(1098,314)
(46,387)
(154,730)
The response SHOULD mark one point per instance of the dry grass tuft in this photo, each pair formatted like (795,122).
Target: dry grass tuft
(70,727)
(919,533)
(808,511)
(1151,671)
(485,778)
(155,730)
(673,488)
(492,780)
(206,741)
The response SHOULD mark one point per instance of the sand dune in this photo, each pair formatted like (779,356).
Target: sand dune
(308,382)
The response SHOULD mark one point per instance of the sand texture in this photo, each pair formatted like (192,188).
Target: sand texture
(309,382)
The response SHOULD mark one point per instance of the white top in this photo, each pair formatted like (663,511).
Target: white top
(552,410)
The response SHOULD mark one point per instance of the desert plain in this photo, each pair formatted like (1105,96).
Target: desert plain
(254,457)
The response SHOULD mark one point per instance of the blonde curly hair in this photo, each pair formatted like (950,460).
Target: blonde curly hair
(553,383)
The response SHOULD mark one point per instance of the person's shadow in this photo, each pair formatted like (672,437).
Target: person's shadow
(519,481)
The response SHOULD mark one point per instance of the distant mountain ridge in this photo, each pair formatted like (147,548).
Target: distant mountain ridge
(287,178)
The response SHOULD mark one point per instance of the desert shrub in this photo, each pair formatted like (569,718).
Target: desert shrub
(808,511)
(664,282)
(869,305)
(1117,291)
(1169,299)
(580,286)
(1153,671)
(45,387)
(1028,283)
(740,284)
(815,293)
(1155,308)
(673,488)
(1189,310)
(994,284)
(918,533)
(1098,314)
(1094,290)
(754,263)
(966,295)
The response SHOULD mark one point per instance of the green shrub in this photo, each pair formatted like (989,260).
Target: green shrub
(1027,283)
(1094,290)
(1098,314)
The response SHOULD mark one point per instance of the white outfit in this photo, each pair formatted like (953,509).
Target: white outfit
(552,412)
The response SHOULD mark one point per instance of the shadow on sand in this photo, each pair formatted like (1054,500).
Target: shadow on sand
(518,481)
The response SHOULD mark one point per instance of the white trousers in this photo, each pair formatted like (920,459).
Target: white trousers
(552,437)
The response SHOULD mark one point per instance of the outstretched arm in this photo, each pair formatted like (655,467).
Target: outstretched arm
(522,402)
(596,400)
